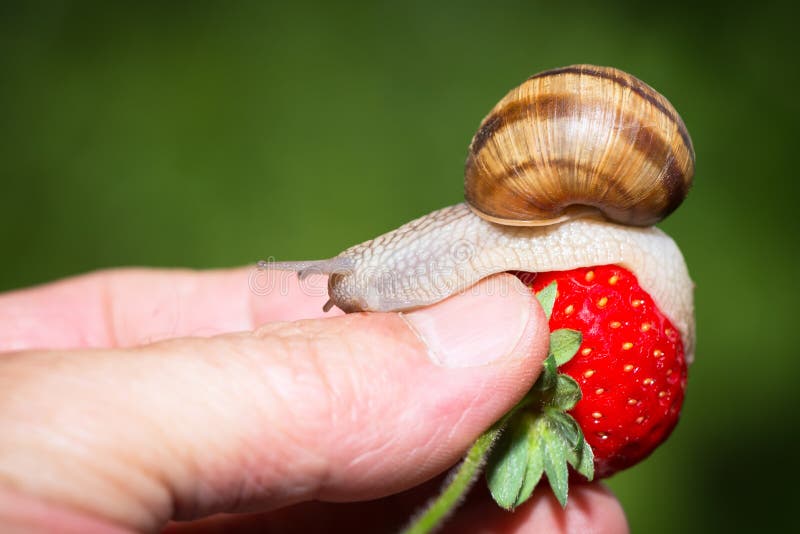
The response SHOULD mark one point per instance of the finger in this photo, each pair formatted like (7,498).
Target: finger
(342,409)
(129,307)
(591,508)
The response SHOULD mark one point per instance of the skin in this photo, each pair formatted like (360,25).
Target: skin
(135,398)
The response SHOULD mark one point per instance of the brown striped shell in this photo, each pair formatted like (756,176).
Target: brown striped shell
(577,139)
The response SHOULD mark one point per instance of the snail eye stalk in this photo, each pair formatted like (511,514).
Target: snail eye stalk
(304,269)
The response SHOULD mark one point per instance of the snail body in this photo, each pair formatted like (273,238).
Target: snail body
(569,170)
(447,251)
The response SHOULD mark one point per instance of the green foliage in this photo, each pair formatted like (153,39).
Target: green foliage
(547,298)
(515,464)
(564,343)
(539,436)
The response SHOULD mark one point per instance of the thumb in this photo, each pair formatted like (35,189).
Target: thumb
(340,409)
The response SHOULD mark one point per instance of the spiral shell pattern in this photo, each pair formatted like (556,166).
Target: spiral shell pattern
(576,139)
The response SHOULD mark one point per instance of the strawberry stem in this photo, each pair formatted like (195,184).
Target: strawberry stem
(458,484)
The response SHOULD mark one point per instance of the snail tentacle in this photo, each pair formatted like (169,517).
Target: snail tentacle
(304,269)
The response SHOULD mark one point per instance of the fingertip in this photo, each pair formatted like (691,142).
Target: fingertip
(591,508)
(494,320)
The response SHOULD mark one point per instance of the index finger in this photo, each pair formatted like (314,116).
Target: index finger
(127,307)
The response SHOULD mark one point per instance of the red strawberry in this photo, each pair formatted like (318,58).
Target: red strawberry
(630,365)
(610,392)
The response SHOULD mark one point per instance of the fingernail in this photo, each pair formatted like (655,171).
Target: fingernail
(484,324)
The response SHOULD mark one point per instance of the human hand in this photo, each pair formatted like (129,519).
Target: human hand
(131,398)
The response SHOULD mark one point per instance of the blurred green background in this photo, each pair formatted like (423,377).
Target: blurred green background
(211,134)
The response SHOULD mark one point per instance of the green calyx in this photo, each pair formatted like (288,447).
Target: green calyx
(539,437)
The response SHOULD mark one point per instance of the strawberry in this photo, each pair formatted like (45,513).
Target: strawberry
(630,368)
(610,392)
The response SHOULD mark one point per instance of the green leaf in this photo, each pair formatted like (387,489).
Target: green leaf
(516,464)
(566,427)
(564,344)
(555,464)
(547,297)
(578,452)
(508,462)
(549,377)
(582,460)
(535,468)
(567,393)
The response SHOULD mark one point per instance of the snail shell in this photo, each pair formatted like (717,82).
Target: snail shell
(579,137)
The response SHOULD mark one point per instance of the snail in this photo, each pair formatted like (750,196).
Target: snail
(570,169)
